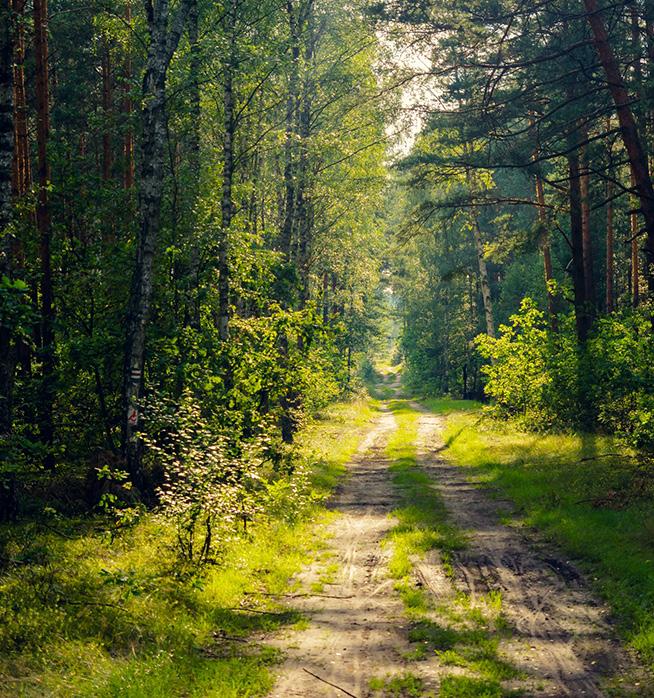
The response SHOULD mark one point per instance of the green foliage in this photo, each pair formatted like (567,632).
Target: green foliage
(519,372)
(545,380)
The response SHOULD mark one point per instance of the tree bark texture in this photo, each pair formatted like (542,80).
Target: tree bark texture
(128,140)
(582,316)
(610,253)
(6,167)
(44,226)
(630,133)
(290,147)
(584,184)
(164,35)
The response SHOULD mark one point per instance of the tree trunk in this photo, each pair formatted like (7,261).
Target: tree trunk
(630,135)
(483,278)
(6,162)
(228,176)
(584,182)
(106,110)
(582,316)
(304,206)
(610,255)
(634,234)
(22,175)
(128,142)
(40,8)
(192,311)
(163,43)
(547,254)
(292,106)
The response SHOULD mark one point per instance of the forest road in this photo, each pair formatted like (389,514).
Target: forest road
(562,637)
(562,641)
(357,626)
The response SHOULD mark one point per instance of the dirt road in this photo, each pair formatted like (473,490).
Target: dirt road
(561,643)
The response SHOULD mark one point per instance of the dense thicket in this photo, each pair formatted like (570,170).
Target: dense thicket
(531,178)
(189,207)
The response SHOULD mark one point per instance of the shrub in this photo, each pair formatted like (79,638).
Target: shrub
(546,380)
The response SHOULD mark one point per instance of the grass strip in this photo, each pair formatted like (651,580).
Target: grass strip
(462,633)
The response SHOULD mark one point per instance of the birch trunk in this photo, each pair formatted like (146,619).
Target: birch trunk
(164,36)
(547,253)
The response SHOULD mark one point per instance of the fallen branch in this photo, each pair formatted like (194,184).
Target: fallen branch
(252,610)
(298,596)
(329,683)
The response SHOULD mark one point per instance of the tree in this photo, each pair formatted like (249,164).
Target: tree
(164,33)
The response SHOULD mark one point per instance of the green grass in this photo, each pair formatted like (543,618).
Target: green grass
(459,632)
(470,687)
(598,507)
(402,686)
(422,518)
(81,616)
(446,405)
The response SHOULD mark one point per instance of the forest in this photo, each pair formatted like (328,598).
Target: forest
(326,348)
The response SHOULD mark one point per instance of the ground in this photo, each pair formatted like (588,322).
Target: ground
(478,607)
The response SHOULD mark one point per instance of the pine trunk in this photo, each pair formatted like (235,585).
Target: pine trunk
(6,162)
(106,109)
(43,223)
(632,139)
(634,234)
(610,254)
(128,141)
(584,184)
(582,316)
(22,175)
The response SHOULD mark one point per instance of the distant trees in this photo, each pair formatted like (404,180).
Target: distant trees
(558,94)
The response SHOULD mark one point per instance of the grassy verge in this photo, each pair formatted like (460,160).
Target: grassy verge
(83,616)
(422,518)
(597,505)
(461,633)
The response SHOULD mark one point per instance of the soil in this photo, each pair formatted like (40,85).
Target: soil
(563,640)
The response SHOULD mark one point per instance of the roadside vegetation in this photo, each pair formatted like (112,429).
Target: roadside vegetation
(88,613)
(588,493)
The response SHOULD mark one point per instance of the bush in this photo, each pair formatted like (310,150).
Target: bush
(209,488)
(545,380)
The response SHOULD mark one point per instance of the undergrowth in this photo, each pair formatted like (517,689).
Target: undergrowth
(82,615)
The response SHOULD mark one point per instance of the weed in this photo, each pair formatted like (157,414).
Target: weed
(401,686)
